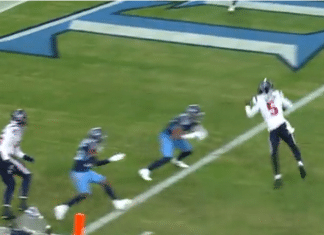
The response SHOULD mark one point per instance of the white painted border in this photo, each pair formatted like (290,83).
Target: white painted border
(12,5)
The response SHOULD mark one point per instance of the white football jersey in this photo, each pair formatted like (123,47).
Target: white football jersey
(271,107)
(10,139)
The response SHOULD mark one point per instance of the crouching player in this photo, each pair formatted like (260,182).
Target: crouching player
(82,176)
(184,126)
(10,166)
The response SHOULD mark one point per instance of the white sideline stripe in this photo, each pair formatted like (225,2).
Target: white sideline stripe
(92,227)
(287,51)
(7,5)
(269,6)
(57,22)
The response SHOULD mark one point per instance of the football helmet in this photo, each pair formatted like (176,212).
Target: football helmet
(184,119)
(195,112)
(19,116)
(97,134)
(265,86)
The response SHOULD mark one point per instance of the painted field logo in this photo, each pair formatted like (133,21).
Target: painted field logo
(294,49)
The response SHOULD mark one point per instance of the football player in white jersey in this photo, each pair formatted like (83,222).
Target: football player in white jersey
(10,151)
(271,103)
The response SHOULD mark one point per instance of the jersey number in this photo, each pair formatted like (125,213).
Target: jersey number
(272,108)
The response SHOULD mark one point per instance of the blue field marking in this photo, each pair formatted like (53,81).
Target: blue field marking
(294,49)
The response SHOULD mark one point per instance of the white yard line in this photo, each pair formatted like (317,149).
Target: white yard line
(140,199)
(7,5)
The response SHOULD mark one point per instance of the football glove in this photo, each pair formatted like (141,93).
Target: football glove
(117,157)
(201,135)
(28,158)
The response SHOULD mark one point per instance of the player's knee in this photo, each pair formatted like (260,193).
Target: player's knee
(27,176)
(105,183)
(85,195)
(165,159)
(11,185)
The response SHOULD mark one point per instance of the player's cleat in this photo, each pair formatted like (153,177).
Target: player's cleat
(302,172)
(180,164)
(231,8)
(145,174)
(7,213)
(60,211)
(278,183)
(23,205)
(122,204)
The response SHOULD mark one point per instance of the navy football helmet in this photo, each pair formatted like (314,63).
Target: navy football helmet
(97,134)
(195,112)
(265,86)
(19,116)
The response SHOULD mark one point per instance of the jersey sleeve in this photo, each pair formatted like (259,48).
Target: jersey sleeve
(18,152)
(5,150)
(286,103)
(252,111)
(16,137)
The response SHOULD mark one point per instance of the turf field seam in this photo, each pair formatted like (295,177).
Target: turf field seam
(156,189)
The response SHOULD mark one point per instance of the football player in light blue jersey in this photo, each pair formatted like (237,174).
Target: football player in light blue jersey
(185,126)
(82,175)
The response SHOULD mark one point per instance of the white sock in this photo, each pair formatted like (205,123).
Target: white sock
(277,177)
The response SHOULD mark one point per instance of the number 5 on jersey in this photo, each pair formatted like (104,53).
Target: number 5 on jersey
(272,108)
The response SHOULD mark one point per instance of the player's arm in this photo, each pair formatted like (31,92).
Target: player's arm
(286,103)
(5,153)
(17,151)
(96,162)
(22,155)
(114,158)
(252,110)
(198,131)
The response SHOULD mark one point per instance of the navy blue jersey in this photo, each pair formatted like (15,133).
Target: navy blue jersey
(182,121)
(85,155)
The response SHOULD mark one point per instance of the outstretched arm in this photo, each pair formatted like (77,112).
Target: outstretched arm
(114,158)
(252,111)
(286,103)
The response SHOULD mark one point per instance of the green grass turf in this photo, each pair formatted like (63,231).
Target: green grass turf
(245,18)
(132,88)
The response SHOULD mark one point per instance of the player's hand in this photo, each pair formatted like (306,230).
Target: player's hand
(117,157)
(201,135)
(28,158)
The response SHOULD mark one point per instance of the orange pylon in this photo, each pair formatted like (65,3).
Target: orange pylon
(79,224)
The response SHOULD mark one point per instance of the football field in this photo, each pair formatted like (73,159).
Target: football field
(132,88)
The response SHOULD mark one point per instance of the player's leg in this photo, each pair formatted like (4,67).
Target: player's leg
(186,149)
(81,181)
(274,144)
(232,6)
(166,148)
(119,204)
(26,175)
(9,181)
(288,137)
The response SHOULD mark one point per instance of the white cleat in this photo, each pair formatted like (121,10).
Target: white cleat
(180,164)
(231,8)
(122,204)
(60,211)
(145,174)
